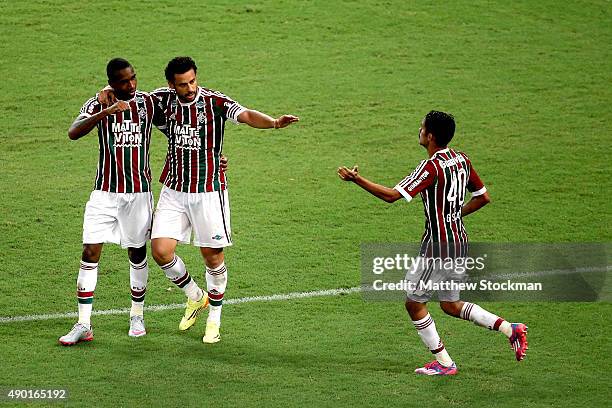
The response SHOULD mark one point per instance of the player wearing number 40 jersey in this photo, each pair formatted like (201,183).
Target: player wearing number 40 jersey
(442,181)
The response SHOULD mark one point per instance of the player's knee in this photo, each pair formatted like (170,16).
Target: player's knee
(413,308)
(451,308)
(214,261)
(161,253)
(213,256)
(137,255)
(91,253)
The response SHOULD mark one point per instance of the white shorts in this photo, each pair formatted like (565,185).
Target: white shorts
(432,273)
(206,214)
(119,218)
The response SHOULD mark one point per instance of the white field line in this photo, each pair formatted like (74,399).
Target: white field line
(552,272)
(155,308)
(287,296)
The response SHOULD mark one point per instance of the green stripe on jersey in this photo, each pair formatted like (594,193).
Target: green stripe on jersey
(100,171)
(218,123)
(144,148)
(202,170)
(216,182)
(186,169)
(127,159)
(110,142)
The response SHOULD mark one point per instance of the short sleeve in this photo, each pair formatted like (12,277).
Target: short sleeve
(475,184)
(162,94)
(91,107)
(422,177)
(159,117)
(230,109)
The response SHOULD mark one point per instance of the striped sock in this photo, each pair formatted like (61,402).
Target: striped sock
(426,327)
(216,282)
(86,284)
(481,317)
(139,274)
(177,273)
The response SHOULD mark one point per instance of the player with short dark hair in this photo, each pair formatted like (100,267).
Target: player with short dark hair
(194,198)
(442,181)
(179,65)
(120,207)
(441,125)
(114,68)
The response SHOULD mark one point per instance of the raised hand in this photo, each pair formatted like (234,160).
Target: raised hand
(118,106)
(284,121)
(106,96)
(347,174)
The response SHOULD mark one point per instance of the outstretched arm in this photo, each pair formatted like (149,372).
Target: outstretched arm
(387,194)
(475,204)
(260,120)
(83,124)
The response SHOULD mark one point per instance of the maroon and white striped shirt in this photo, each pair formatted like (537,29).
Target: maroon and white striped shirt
(442,181)
(124,138)
(195,139)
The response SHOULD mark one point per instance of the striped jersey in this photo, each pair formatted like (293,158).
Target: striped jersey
(124,138)
(442,181)
(195,139)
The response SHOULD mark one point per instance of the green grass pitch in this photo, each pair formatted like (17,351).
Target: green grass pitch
(529,85)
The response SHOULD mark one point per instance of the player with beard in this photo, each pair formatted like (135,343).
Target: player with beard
(120,207)
(194,198)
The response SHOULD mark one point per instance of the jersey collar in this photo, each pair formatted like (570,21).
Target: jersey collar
(445,150)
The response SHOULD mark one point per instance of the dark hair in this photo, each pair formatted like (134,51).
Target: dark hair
(179,65)
(441,125)
(115,65)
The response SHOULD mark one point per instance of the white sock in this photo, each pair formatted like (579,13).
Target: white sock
(216,283)
(443,357)
(177,273)
(139,274)
(506,328)
(429,335)
(481,317)
(86,285)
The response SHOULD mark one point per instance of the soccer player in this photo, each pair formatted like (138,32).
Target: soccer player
(120,207)
(442,181)
(194,198)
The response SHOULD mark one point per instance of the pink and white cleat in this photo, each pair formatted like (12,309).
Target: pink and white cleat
(518,340)
(137,326)
(435,368)
(79,333)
